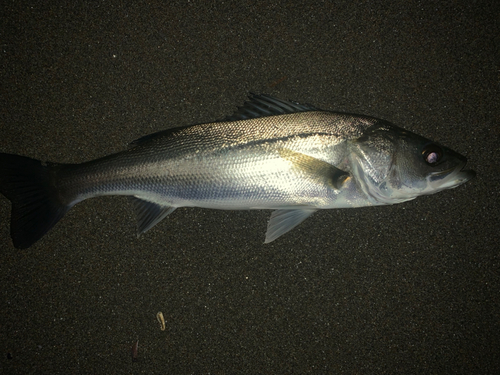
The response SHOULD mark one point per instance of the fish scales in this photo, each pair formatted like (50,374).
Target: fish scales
(219,165)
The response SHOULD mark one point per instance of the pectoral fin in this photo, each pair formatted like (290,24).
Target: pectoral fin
(282,221)
(149,214)
(319,170)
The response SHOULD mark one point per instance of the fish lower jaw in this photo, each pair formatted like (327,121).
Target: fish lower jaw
(453,177)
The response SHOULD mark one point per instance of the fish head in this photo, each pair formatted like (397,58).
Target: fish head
(393,165)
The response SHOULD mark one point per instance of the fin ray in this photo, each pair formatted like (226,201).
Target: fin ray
(149,214)
(29,186)
(267,105)
(282,221)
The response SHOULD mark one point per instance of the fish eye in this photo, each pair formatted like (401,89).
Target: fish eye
(432,154)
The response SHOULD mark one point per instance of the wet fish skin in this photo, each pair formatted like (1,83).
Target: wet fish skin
(271,154)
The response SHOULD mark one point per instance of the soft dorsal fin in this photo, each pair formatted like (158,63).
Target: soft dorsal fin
(265,105)
(146,138)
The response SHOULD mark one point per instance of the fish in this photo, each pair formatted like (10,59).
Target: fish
(273,154)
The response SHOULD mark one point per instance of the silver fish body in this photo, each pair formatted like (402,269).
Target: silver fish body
(272,154)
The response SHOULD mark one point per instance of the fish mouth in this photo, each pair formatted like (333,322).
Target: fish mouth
(451,177)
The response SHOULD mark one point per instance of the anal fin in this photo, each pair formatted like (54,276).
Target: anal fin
(149,214)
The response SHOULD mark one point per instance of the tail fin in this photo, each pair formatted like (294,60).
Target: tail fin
(36,208)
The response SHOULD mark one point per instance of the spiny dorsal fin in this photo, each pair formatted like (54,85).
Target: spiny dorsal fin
(266,105)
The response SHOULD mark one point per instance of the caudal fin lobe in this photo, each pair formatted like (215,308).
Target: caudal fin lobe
(36,208)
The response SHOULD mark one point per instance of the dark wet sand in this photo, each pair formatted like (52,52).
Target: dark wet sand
(410,288)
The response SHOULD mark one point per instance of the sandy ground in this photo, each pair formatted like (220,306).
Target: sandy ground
(410,288)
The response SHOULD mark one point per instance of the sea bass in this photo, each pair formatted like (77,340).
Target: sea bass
(271,154)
